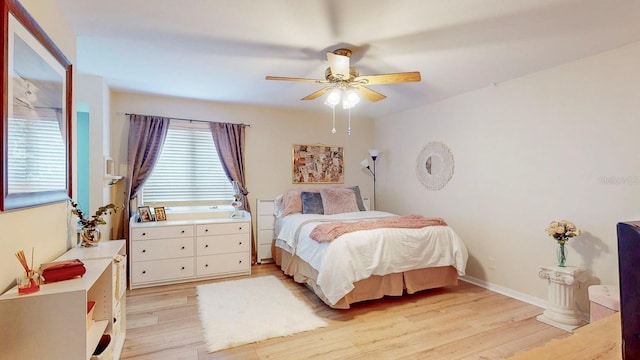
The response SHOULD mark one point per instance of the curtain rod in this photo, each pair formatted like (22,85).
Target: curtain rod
(175,118)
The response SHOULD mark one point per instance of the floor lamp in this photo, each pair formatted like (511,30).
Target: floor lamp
(365,164)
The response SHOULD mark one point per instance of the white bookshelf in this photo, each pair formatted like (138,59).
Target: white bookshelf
(52,323)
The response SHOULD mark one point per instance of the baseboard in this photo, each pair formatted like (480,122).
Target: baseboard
(542,303)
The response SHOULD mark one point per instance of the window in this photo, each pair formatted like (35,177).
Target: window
(189,171)
(37,152)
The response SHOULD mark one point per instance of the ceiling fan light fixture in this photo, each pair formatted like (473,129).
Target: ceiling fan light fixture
(346,85)
(333,98)
(351,99)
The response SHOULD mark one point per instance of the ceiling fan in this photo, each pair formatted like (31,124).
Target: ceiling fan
(340,75)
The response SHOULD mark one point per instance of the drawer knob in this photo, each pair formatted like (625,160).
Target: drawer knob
(182,232)
(144,271)
(240,243)
(206,265)
(144,250)
(207,245)
(240,228)
(182,268)
(144,234)
(206,230)
(240,262)
(182,248)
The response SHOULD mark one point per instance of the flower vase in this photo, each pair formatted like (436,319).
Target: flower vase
(90,236)
(562,255)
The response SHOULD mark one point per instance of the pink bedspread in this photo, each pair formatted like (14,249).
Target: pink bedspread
(330,231)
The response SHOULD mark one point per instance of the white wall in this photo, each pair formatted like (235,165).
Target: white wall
(535,149)
(44,228)
(269,140)
(93,91)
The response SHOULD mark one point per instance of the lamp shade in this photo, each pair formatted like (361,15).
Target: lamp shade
(374,152)
(333,98)
(350,99)
(364,163)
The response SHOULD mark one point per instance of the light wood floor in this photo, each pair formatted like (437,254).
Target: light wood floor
(462,322)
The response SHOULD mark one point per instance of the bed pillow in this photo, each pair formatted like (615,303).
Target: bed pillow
(277,205)
(311,203)
(338,200)
(356,190)
(291,203)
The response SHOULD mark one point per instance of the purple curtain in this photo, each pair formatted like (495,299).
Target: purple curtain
(146,137)
(229,141)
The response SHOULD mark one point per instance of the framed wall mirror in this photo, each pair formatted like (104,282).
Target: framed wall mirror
(36,114)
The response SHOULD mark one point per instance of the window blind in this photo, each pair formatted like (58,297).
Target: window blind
(38,158)
(188,171)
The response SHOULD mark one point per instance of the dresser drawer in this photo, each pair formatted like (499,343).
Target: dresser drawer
(266,222)
(160,270)
(266,207)
(265,251)
(223,263)
(144,250)
(265,237)
(161,232)
(223,228)
(223,244)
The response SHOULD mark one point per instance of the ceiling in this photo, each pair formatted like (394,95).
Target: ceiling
(221,50)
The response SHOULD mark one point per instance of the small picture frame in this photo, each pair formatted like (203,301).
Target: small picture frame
(144,214)
(161,215)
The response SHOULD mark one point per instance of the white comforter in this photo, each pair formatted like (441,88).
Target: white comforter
(358,255)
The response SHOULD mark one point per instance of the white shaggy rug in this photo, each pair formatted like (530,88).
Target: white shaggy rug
(242,311)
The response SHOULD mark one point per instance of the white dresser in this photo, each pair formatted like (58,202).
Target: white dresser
(174,251)
(53,323)
(265,229)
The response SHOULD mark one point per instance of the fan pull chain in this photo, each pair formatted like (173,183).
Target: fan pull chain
(349,129)
(333,131)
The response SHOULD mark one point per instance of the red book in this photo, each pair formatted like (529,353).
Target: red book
(62,270)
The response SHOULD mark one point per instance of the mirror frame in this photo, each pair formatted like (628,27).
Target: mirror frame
(29,199)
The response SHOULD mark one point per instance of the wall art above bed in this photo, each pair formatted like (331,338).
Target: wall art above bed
(434,166)
(317,164)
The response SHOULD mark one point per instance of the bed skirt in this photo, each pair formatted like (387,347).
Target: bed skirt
(374,287)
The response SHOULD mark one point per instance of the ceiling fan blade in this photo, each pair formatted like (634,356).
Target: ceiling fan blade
(316,94)
(370,95)
(294,79)
(413,76)
(339,65)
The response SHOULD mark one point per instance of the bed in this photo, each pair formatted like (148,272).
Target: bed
(365,264)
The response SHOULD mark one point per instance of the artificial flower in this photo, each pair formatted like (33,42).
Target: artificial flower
(562,231)
(95,219)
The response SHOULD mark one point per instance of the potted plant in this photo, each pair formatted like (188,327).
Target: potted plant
(90,233)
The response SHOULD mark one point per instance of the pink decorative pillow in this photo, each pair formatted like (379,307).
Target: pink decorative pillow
(291,202)
(337,201)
